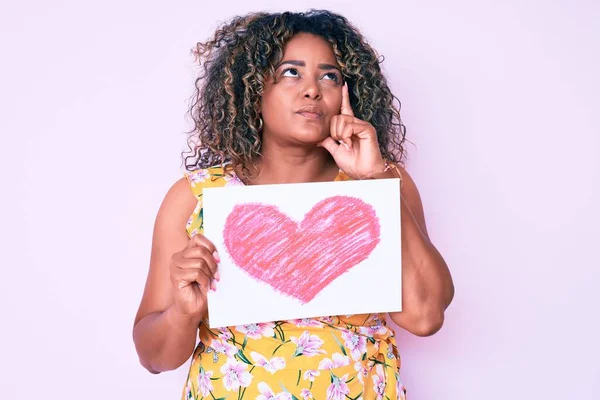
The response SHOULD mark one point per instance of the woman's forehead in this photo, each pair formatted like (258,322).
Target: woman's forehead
(307,45)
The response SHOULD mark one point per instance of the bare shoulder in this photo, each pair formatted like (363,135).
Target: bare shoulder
(407,180)
(410,194)
(177,206)
(179,199)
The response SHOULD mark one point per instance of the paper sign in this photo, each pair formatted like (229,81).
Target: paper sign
(304,250)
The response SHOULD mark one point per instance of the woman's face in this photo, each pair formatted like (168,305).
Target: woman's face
(298,104)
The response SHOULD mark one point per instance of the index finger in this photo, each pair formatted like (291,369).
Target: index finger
(346,108)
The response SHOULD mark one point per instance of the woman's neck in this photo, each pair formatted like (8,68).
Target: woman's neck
(293,165)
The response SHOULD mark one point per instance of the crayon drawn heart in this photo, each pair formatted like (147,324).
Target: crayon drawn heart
(301,259)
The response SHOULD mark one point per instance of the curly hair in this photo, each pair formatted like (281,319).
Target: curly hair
(240,57)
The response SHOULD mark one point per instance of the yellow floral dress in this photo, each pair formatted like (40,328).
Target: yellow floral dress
(328,358)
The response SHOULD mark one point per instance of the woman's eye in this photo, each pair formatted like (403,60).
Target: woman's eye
(333,76)
(290,72)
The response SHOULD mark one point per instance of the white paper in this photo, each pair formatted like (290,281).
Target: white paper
(371,286)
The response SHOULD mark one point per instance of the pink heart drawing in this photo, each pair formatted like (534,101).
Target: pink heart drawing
(300,259)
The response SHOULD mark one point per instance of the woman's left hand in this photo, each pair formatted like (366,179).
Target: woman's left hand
(353,143)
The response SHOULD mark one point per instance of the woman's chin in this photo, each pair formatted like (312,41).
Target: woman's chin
(302,136)
(311,137)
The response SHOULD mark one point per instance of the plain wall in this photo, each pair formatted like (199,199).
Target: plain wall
(501,103)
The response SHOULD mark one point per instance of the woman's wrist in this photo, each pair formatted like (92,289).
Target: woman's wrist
(387,171)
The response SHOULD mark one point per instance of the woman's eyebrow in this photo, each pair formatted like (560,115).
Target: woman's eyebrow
(300,63)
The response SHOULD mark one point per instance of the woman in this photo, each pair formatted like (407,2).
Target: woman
(285,98)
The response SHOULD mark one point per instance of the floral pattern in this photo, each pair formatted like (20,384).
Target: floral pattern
(330,357)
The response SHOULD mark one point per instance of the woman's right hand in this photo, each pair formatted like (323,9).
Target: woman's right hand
(193,272)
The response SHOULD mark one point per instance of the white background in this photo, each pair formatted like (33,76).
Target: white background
(501,104)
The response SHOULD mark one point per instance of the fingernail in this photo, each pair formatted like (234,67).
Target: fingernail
(216,256)
(217,276)
(213,286)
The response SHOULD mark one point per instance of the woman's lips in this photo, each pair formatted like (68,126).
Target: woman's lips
(310,115)
(311,111)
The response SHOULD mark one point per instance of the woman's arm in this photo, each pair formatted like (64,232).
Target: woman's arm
(164,337)
(427,287)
